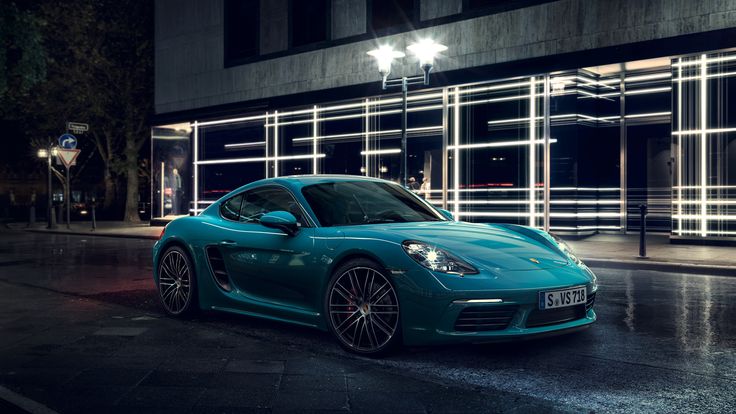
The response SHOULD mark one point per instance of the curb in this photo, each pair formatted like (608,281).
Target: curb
(92,233)
(689,268)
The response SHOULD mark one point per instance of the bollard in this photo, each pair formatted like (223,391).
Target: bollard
(52,218)
(32,216)
(643,231)
(94,219)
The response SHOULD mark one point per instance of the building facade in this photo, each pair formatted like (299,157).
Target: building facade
(567,115)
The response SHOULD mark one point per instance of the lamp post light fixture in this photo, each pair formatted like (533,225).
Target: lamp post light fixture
(49,154)
(426,51)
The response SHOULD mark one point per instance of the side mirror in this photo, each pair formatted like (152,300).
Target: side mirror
(282,220)
(446,214)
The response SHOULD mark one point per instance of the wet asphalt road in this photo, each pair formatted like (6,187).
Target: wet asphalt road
(663,342)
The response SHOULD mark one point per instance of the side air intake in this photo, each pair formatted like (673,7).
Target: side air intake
(217,265)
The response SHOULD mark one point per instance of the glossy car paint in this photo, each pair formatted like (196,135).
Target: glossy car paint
(285,278)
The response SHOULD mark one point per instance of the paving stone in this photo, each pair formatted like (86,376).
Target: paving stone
(177,378)
(120,331)
(311,400)
(313,382)
(109,376)
(166,397)
(240,398)
(255,366)
(233,380)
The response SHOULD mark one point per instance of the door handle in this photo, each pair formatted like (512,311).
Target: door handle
(227,243)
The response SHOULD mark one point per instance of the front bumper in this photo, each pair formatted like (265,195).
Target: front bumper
(448,317)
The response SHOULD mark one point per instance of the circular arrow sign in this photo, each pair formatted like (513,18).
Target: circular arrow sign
(68,141)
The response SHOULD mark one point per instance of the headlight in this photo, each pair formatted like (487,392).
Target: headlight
(565,248)
(436,259)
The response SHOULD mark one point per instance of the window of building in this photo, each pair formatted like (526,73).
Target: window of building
(310,21)
(242,18)
(387,14)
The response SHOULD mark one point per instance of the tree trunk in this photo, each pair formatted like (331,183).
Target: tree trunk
(131,177)
(109,189)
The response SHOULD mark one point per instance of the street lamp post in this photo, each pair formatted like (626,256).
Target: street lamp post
(49,153)
(425,50)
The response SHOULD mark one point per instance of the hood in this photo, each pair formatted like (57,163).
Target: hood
(490,246)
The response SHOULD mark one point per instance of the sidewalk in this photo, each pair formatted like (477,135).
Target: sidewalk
(104,228)
(601,250)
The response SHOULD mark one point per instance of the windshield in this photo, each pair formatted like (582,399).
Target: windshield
(348,203)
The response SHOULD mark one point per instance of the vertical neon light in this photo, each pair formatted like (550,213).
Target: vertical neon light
(679,147)
(532,150)
(265,129)
(703,146)
(314,139)
(366,144)
(456,163)
(163,174)
(196,167)
(275,143)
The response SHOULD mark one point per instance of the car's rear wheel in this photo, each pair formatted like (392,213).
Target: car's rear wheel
(362,308)
(177,285)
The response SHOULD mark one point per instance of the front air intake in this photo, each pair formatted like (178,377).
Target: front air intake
(217,266)
(485,318)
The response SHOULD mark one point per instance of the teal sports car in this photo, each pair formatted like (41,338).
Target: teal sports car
(371,262)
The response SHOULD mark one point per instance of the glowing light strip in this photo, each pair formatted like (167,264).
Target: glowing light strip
(499,144)
(477,301)
(648,90)
(508,98)
(709,187)
(260,159)
(276,143)
(705,218)
(381,151)
(359,115)
(559,202)
(163,175)
(639,78)
(585,228)
(230,121)
(366,137)
(245,144)
(519,214)
(704,131)
(651,114)
(456,159)
(703,145)
(703,61)
(358,134)
(710,201)
(679,142)
(532,149)
(195,157)
(709,76)
(314,139)
(495,87)
(472,190)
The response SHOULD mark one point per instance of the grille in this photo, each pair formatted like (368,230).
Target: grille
(217,264)
(590,301)
(540,317)
(485,318)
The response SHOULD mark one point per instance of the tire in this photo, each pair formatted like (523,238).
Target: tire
(368,323)
(177,283)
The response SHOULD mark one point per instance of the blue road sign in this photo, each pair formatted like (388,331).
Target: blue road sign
(68,141)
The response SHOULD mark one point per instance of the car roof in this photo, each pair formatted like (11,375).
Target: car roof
(305,180)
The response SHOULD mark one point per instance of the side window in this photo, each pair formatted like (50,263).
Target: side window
(265,200)
(230,208)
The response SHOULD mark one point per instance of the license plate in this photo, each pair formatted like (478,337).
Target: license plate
(560,298)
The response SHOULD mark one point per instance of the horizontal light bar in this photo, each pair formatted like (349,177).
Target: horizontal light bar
(231,120)
(707,60)
(260,159)
(460,301)
(508,98)
(499,144)
(709,187)
(651,114)
(707,131)
(648,90)
(708,217)
(652,76)
(245,145)
(370,133)
(382,151)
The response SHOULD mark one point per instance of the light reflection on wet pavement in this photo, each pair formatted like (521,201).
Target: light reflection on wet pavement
(663,342)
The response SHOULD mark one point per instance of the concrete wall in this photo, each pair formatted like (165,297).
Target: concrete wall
(432,9)
(189,46)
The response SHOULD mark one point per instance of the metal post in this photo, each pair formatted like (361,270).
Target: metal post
(643,231)
(404,158)
(94,218)
(50,216)
(68,201)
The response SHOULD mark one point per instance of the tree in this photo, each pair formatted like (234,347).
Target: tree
(100,65)
(22,55)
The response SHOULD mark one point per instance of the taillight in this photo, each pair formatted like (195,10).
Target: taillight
(161,236)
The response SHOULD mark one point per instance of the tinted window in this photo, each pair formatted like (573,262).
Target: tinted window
(267,199)
(391,13)
(230,209)
(309,21)
(365,202)
(242,18)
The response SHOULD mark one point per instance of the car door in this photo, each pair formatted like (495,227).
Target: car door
(265,264)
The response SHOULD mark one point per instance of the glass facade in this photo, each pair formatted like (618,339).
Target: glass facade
(576,151)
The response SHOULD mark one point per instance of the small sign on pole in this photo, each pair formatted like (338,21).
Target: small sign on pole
(68,156)
(77,127)
(68,141)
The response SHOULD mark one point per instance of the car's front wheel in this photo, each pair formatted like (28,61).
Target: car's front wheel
(177,282)
(362,308)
